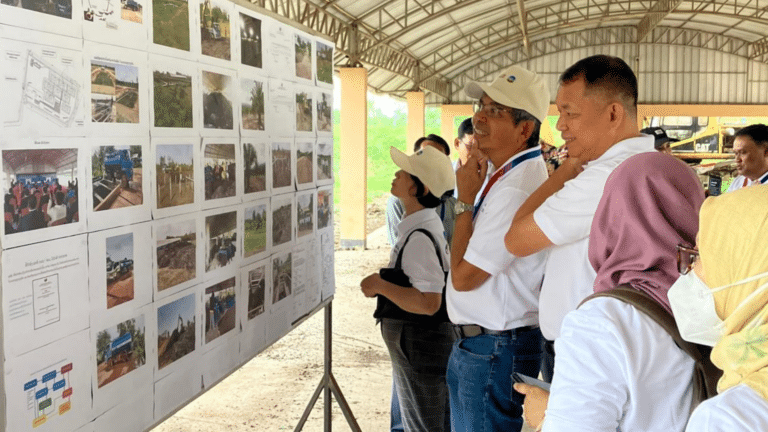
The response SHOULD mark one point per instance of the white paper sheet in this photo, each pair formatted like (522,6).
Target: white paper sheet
(257,231)
(280,298)
(325,208)
(281,108)
(45,293)
(305,215)
(279,57)
(216,23)
(117,90)
(125,282)
(178,336)
(41,166)
(60,18)
(304,97)
(219,158)
(42,83)
(283,165)
(324,63)
(256,285)
(117,190)
(305,293)
(220,360)
(257,167)
(172,26)
(219,316)
(176,99)
(252,101)
(305,163)
(175,177)
(324,113)
(178,388)
(324,158)
(219,88)
(249,38)
(49,389)
(283,222)
(115,22)
(141,409)
(177,254)
(221,254)
(304,57)
(327,270)
(123,351)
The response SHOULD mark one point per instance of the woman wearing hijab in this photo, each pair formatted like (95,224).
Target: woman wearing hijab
(734,263)
(617,369)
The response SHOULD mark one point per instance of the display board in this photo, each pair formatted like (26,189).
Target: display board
(166,167)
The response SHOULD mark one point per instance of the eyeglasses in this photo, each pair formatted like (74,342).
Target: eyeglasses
(686,257)
(491,110)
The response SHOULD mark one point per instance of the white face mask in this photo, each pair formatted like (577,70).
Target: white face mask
(693,306)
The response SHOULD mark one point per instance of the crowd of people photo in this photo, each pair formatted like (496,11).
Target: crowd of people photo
(591,287)
(32,205)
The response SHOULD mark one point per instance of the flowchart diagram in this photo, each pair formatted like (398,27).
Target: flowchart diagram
(49,394)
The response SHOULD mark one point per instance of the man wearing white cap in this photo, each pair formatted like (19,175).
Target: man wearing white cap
(493,296)
(597,101)
(414,323)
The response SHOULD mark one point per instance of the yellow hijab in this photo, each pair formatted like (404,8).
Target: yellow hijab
(733,243)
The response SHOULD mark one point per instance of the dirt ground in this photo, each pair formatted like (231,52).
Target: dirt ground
(270,392)
(120,291)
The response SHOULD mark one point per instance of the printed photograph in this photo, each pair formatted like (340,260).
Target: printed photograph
(219,160)
(324,63)
(114,93)
(219,309)
(175,330)
(173,99)
(119,269)
(176,255)
(120,350)
(214,30)
(250,41)
(104,10)
(175,175)
(304,162)
(217,101)
(255,235)
(324,160)
(324,208)
(170,21)
(281,164)
(59,8)
(304,111)
(304,210)
(40,189)
(253,104)
(257,281)
(221,238)
(324,119)
(132,10)
(303,55)
(281,277)
(117,177)
(282,212)
(255,160)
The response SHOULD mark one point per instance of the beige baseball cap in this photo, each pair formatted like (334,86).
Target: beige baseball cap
(430,165)
(515,87)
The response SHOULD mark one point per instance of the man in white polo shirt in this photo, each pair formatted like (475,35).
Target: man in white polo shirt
(597,101)
(492,297)
(750,146)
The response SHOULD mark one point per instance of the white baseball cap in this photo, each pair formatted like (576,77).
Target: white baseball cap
(516,88)
(430,165)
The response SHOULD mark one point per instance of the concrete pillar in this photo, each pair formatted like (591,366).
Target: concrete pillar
(415,128)
(447,114)
(353,156)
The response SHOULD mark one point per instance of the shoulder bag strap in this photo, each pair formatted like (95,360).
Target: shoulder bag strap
(398,263)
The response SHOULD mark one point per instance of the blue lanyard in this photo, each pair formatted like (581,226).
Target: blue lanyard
(505,169)
(764,179)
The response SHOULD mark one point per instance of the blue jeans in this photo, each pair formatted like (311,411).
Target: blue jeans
(480,380)
(395,418)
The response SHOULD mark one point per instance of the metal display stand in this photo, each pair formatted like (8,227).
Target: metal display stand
(328,385)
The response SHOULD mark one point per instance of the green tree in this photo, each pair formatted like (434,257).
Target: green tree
(103,339)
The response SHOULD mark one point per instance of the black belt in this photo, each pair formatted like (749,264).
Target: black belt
(472,330)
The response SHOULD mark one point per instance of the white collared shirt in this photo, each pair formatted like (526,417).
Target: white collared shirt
(737,409)
(509,297)
(566,219)
(420,261)
(739,182)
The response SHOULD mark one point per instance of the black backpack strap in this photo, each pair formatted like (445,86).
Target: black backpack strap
(399,262)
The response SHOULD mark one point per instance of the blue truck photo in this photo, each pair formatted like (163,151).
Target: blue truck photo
(118,165)
(119,350)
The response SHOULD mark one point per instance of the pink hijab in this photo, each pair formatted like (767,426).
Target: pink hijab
(650,204)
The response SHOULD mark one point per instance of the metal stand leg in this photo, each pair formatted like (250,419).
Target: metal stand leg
(327,386)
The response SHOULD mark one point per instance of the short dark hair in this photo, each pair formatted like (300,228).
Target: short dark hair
(466,128)
(427,199)
(31,202)
(434,138)
(610,74)
(757,133)
(59,198)
(519,115)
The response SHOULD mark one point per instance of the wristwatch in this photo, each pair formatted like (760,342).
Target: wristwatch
(460,207)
